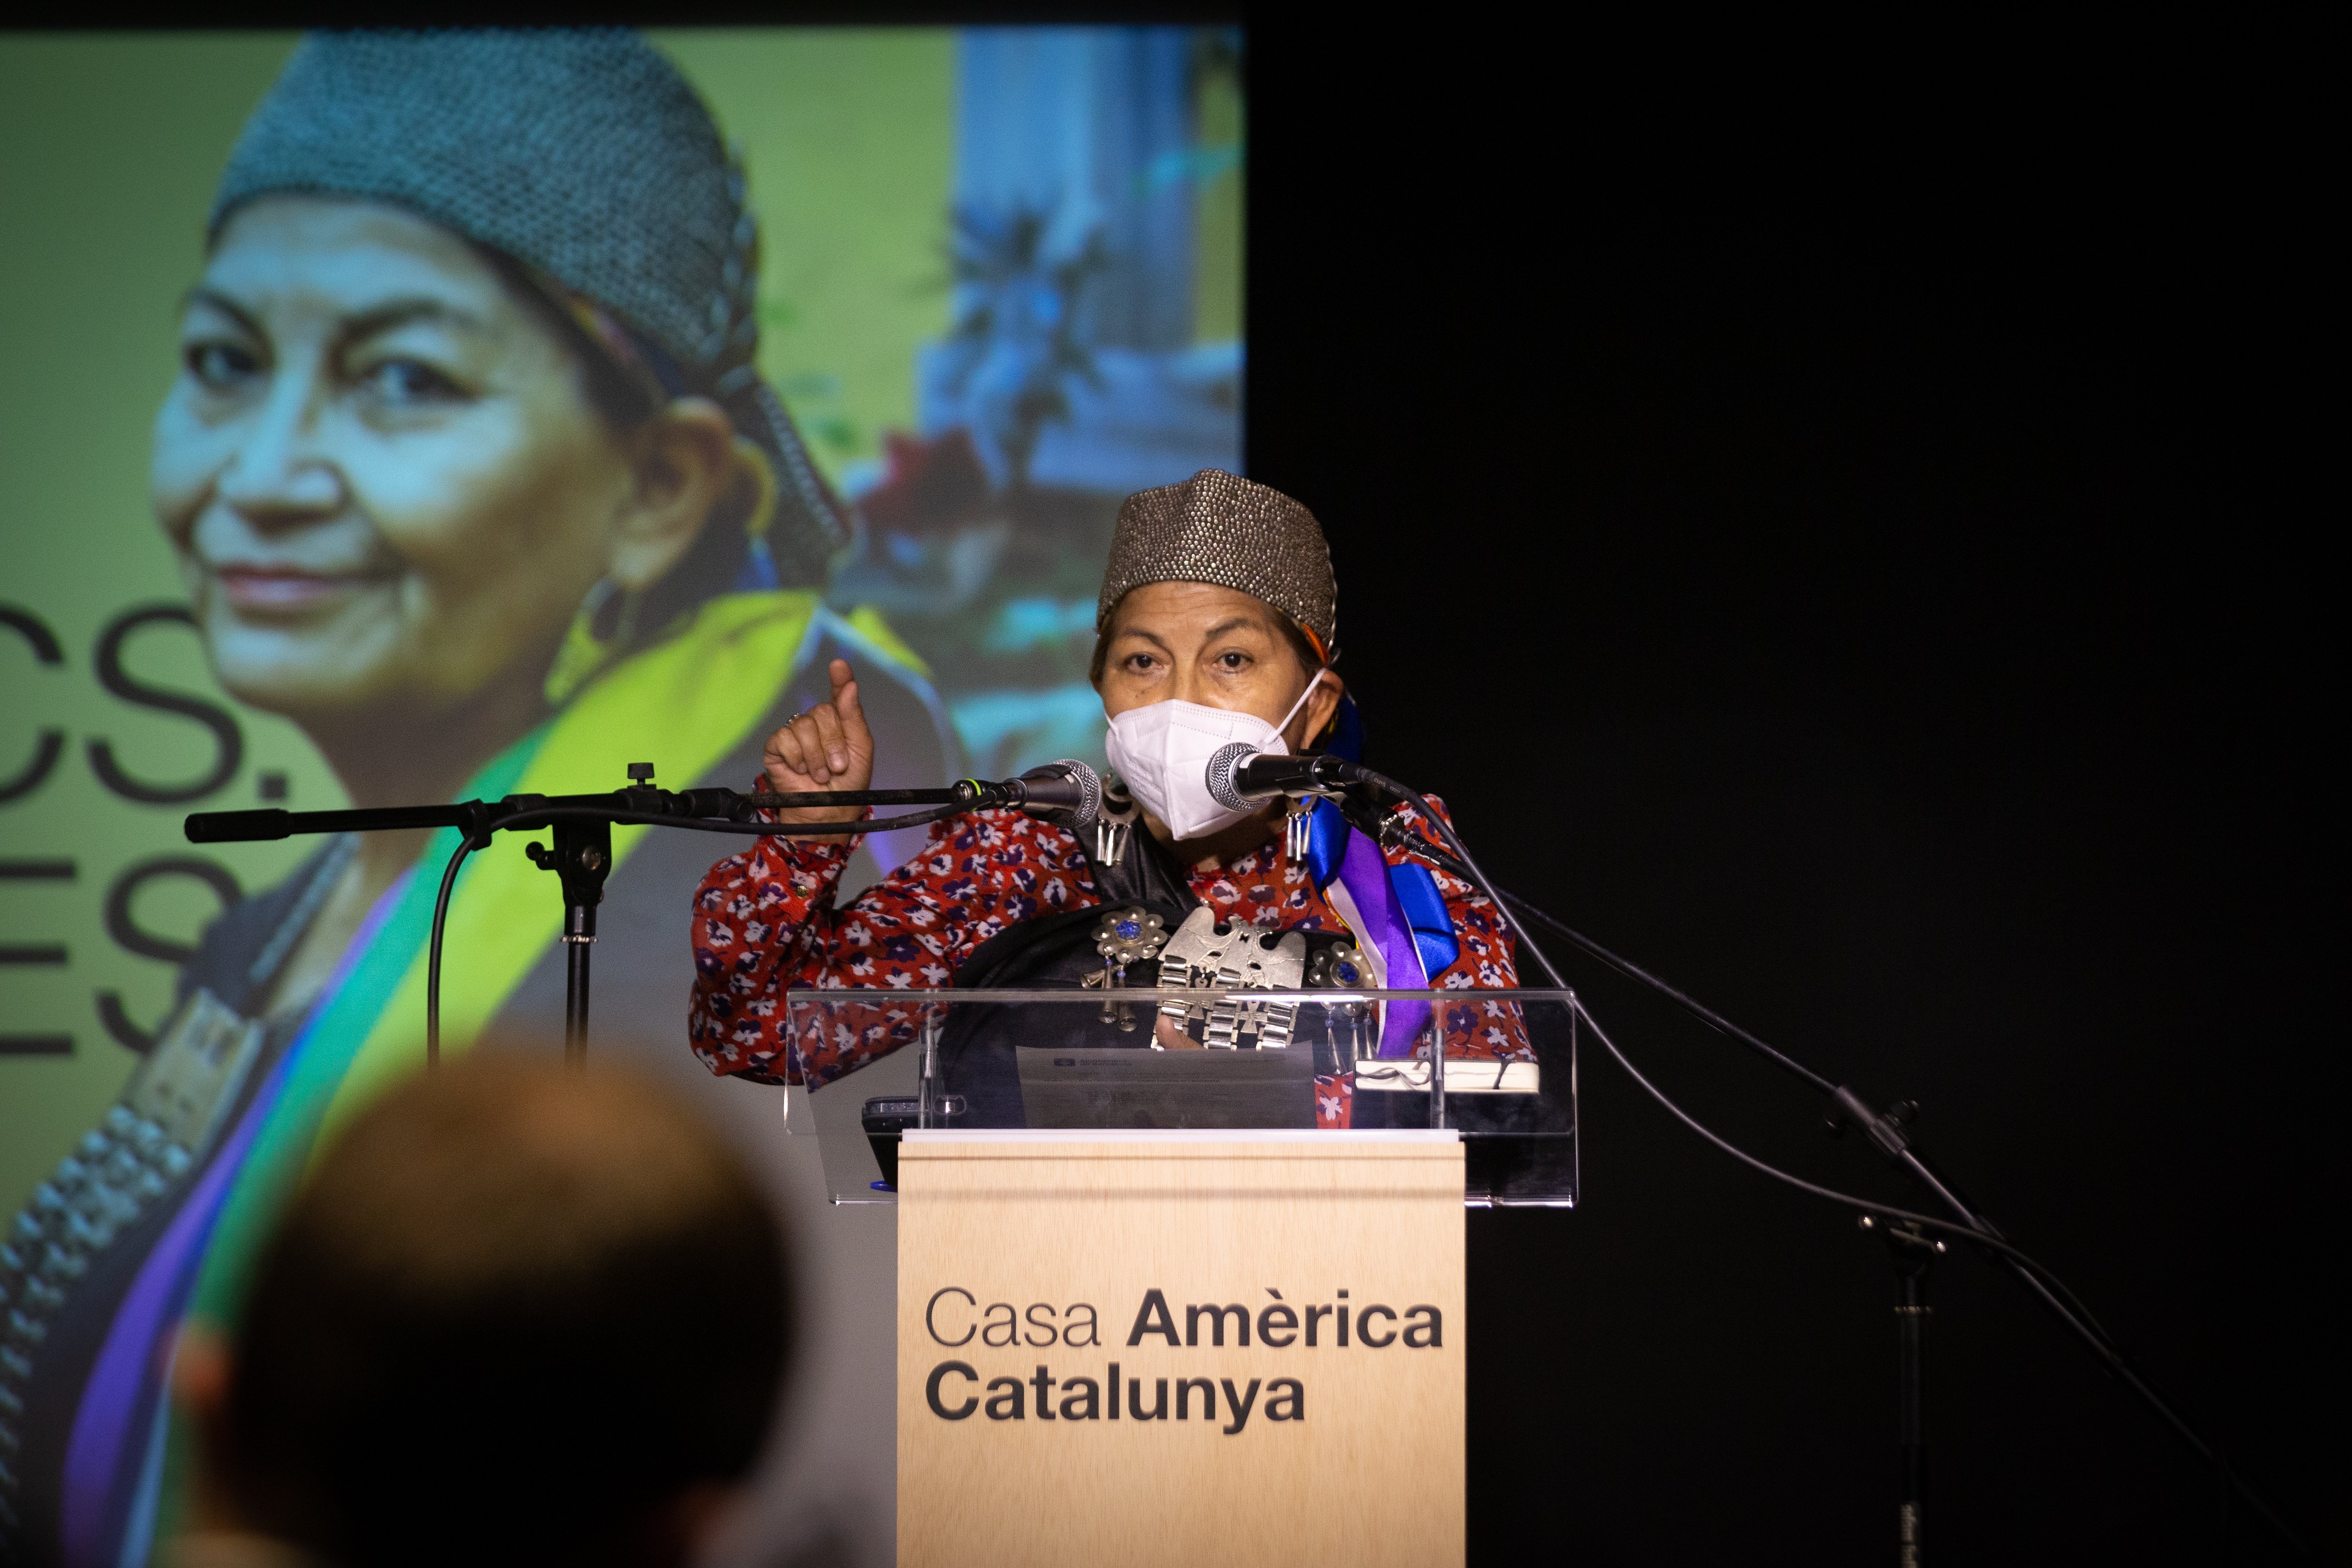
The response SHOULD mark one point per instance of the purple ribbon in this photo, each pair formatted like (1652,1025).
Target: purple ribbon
(106,1453)
(1364,872)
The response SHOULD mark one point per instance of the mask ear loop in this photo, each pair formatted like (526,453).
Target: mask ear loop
(1283,728)
(1300,807)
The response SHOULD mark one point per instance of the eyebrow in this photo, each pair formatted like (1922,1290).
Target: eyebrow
(382,317)
(1233,623)
(200,295)
(1151,637)
(401,312)
(1230,623)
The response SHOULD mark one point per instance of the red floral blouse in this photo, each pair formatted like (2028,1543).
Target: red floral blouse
(765,922)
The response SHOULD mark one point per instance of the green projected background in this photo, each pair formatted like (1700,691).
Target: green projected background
(860,146)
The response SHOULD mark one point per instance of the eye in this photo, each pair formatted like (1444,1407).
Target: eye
(1138,663)
(408,383)
(221,366)
(1234,661)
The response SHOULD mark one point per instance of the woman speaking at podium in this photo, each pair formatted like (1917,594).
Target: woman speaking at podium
(1216,624)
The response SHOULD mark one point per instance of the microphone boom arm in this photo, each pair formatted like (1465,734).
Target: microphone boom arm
(1067,791)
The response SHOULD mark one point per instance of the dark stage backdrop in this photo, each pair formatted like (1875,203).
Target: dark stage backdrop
(1845,535)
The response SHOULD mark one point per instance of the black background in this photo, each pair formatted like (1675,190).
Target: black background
(1838,519)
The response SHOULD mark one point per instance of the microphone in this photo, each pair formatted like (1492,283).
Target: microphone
(1068,794)
(1241,775)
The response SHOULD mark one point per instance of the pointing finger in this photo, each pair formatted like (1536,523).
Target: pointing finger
(851,709)
(854,728)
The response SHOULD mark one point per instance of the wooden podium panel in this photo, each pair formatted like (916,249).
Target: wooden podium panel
(1198,1264)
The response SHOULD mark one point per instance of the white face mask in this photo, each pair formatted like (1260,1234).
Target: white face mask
(1162,752)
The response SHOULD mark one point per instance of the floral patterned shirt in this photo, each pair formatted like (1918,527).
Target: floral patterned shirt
(765,922)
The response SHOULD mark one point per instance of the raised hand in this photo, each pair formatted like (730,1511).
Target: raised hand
(828,748)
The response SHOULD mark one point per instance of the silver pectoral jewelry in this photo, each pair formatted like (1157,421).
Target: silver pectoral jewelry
(1296,828)
(1115,820)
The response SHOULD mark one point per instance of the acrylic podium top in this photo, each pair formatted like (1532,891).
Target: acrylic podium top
(1497,1067)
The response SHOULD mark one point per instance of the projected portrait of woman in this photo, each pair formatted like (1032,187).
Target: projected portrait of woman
(470,473)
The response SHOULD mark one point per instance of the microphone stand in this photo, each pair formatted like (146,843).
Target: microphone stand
(581,856)
(1889,1136)
(1914,1255)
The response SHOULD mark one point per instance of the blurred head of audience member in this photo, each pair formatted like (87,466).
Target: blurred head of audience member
(515,1315)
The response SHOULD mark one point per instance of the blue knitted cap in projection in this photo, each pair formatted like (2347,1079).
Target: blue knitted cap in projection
(584,153)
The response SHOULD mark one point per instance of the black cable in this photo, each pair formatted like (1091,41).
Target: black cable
(538,815)
(1688,1003)
(1869,1205)
(1627,968)
(2035,1276)
(767,800)
(432,954)
(1445,861)
(1982,1226)
(1478,878)
(545,815)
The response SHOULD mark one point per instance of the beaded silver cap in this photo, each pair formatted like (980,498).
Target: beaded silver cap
(1220,527)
